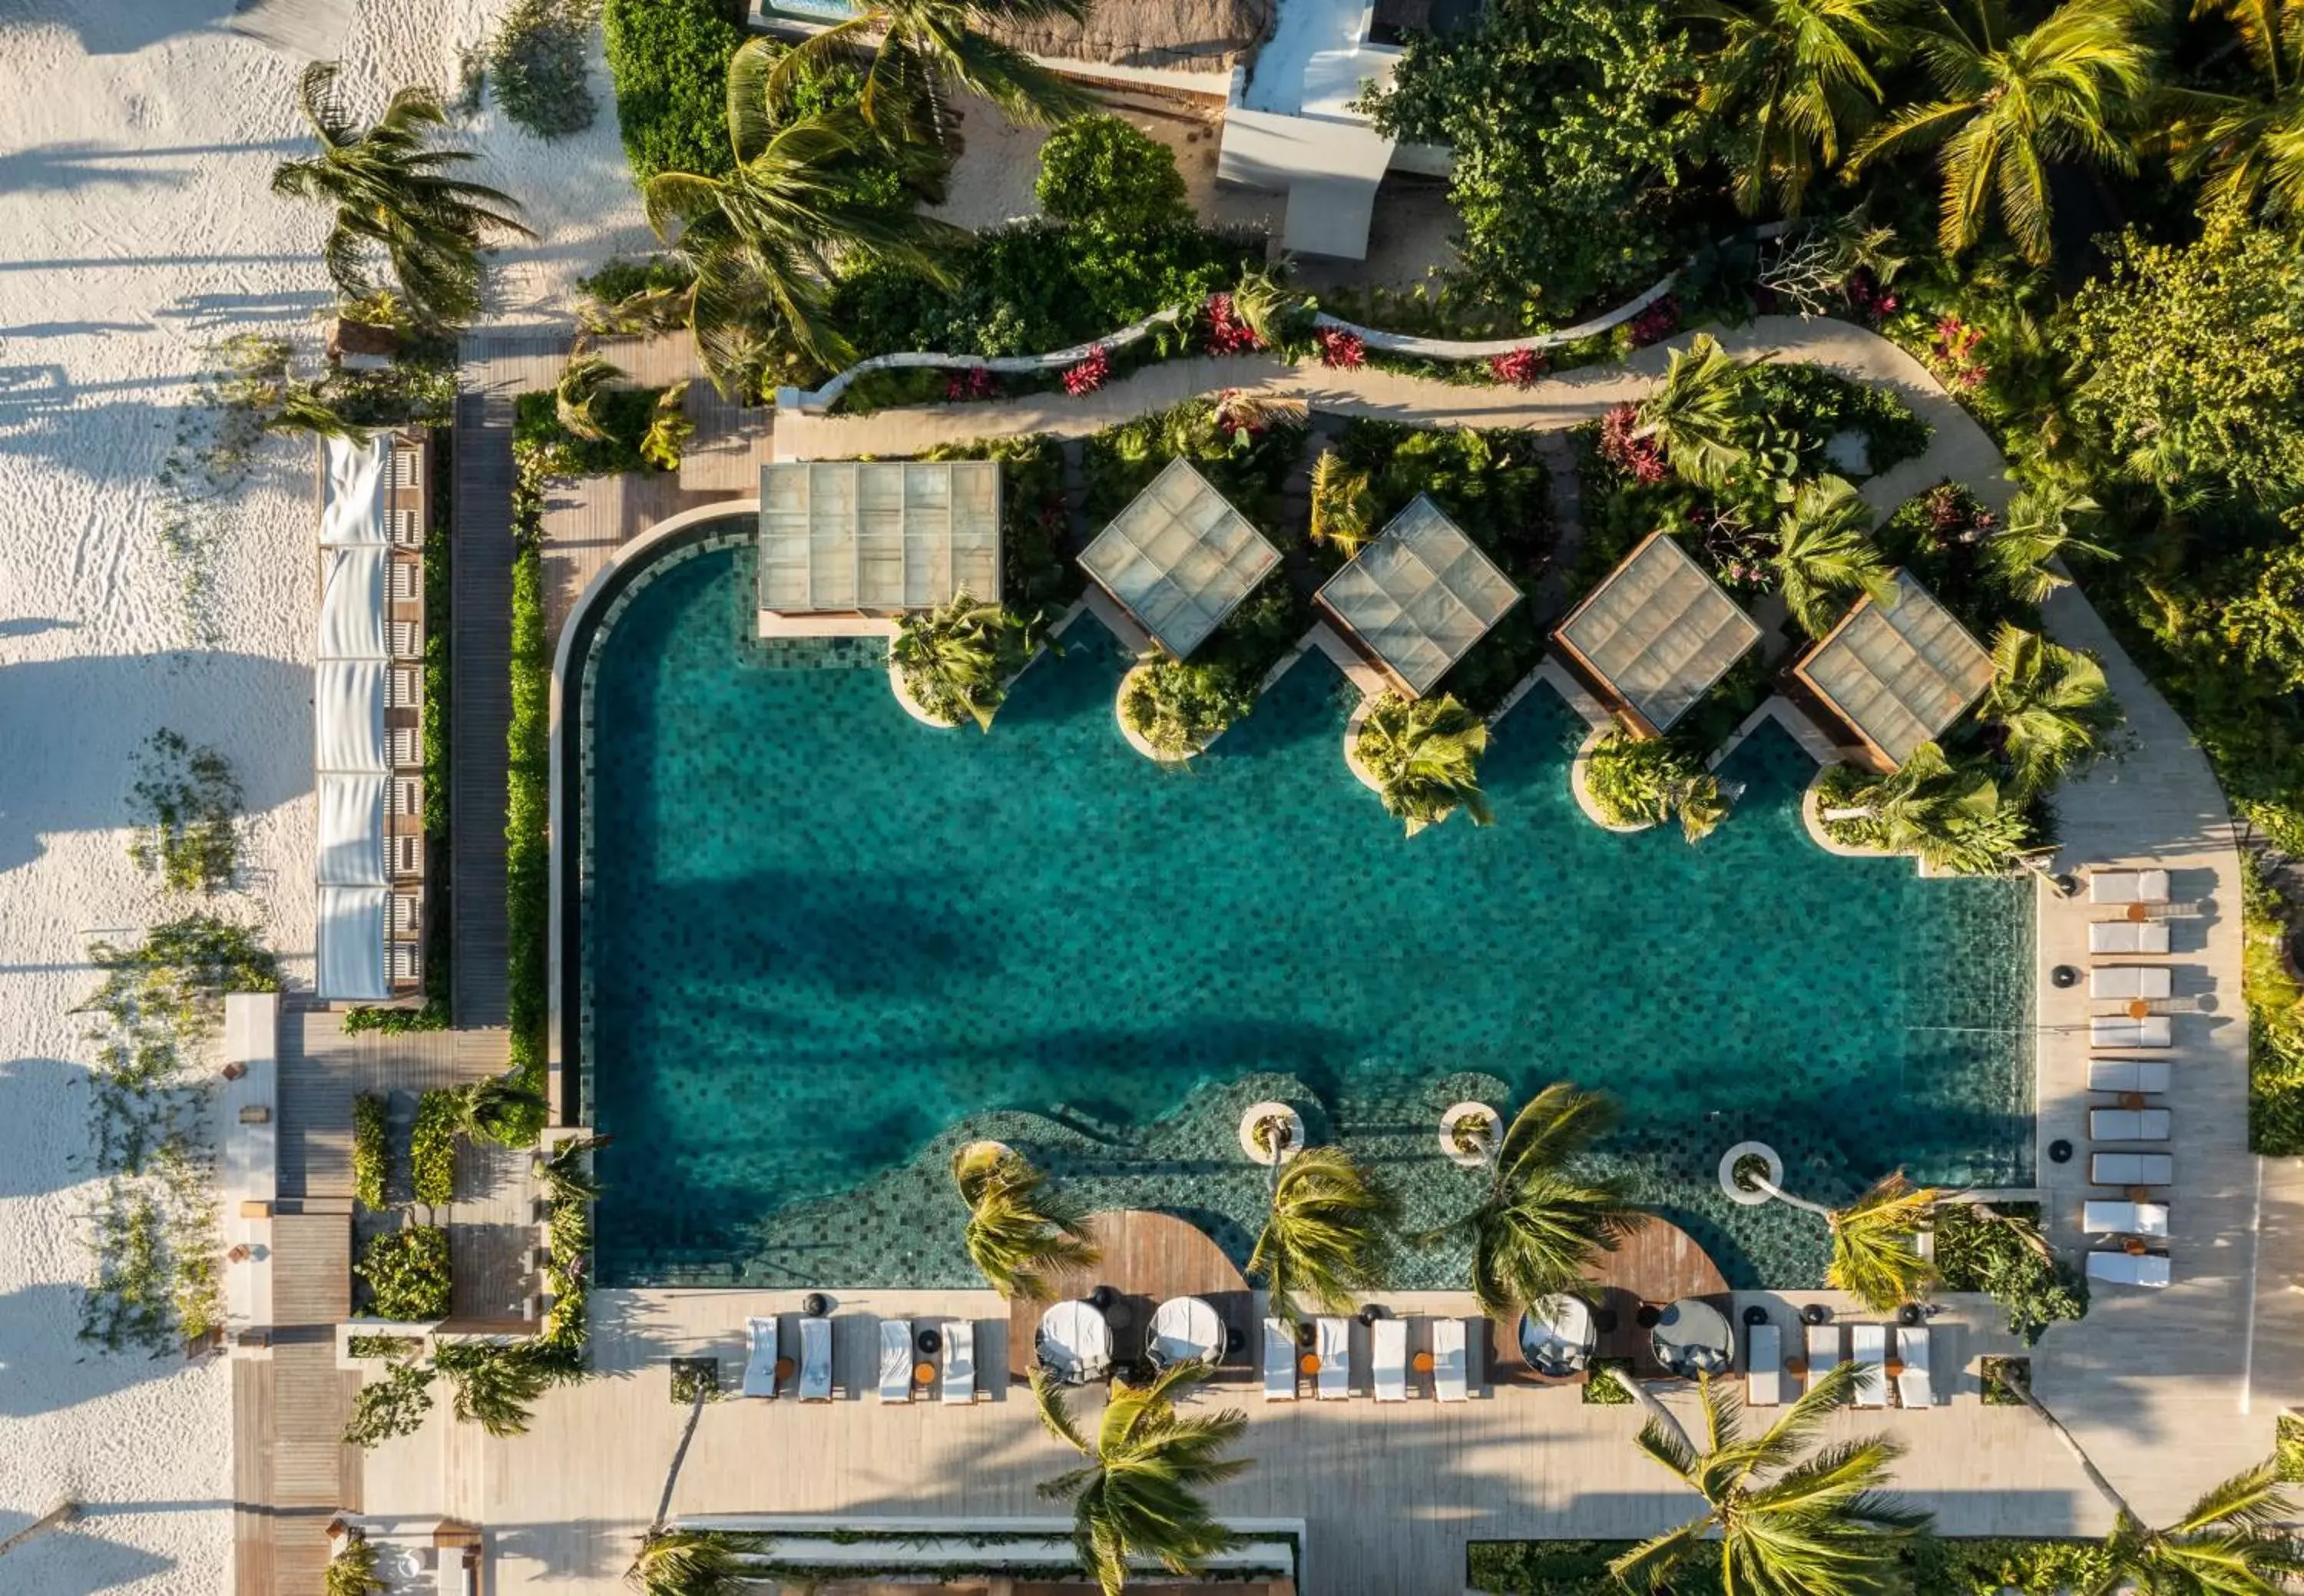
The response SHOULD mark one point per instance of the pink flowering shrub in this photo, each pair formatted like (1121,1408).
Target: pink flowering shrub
(1519,367)
(1089,375)
(1641,459)
(1339,350)
(1952,357)
(1872,303)
(974,382)
(1658,322)
(1227,333)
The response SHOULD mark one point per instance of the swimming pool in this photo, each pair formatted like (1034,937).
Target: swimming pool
(824,946)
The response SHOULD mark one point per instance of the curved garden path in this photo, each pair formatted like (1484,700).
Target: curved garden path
(2168,1389)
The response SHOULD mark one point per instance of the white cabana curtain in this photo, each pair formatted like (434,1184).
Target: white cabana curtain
(353,480)
(352,604)
(352,928)
(348,717)
(351,831)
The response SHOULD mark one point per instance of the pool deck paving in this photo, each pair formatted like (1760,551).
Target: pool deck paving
(2169,1390)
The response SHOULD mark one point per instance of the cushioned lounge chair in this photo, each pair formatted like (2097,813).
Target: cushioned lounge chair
(815,1360)
(2125,1218)
(2131,981)
(2129,1124)
(959,1361)
(760,1357)
(896,1360)
(1449,1376)
(1279,1360)
(1914,1386)
(2128,936)
(2128,1075)
(1333,1342)
(1764,1366)
(1388,1341)
(2128,887)
(1871,1345)
(2128,1268)
(2119,1030)
(1823,1354)
(2130,1168)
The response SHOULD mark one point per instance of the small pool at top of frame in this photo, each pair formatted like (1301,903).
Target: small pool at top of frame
(824,946)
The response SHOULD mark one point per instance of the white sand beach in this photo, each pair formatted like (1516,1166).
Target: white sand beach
(137,227)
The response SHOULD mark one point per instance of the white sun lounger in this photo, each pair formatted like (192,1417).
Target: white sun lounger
(815,1360)
(1279,1360)
(2125,1218)
(2130,1168)
(896,1360)
(2131,981)
(2128,887)
(1871,1345)
(2128,1268)
(1449,1383)
(2128,936)
(2128,1125)
(1823,1354)
(1764,1366)
(2118,1031)
(760,1357)
(1913,1387)
(1333,1342)
(2128,1075)
(1388,1339)
(959,1361)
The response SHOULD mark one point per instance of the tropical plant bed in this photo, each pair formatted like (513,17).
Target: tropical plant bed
(625,415)
(2275,1017)
(432,1149)
(1938,1567)
(406,1272)
(2005,1258)
(1038,570)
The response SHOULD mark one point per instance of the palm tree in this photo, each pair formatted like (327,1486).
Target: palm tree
(956,658)
(392,192)
(576,397)
(1874,1255)
(928,48)
(1824,554)
(1785,1524)
(1537,1226)
(563,1177)
(1265,305)
(302,409)
(685,1563)
(669,429)
(1425,755)
(2050,703)
(1138,1495)
(1953,817)
(1696,412)
(2250,148)
(2037,530)
(1343,510)
(760,240)
(1325,1237)
(2014,103)
(496,1109)
(351,1572)
(1789,82)
(496,1385)
(1018,1234)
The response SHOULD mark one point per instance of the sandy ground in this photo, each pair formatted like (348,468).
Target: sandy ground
(136,141)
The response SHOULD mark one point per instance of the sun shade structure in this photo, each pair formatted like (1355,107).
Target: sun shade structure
(1419,596)
(878,537)
(1656,633)
(1897,673)
(1178,558)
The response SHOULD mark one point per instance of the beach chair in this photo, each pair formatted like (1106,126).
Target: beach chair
(1333,1340)
(2128,1075)
(815,1360)
(1823,1354)
(2128,1268)
(2128,1125)
(2125,1218)
(959,1361)
(2128,887)
(1914,1389)
(1448,1373)
(1388,1339)
(2130,1168)
(1764,1366)
(1279,1360)
(2131,981)
(2128,936)
(760,1357)
(1871,1345)
(2119,1030)
(896,1360)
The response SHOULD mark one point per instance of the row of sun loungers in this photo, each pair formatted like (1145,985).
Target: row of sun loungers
(1388,1360)
(809,1376)
(2143,1224)
(1914,1385)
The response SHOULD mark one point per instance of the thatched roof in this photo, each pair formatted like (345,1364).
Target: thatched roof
(1193,35)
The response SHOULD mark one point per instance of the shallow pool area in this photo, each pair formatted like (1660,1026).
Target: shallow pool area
(824,946)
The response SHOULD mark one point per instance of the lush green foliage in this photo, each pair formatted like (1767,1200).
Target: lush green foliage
(1540,1220)
(536,64)
(1037,570)
(496,1384)
(528,853)
(1179,707)
(2000,1250)
(1821,402)
(1102,174)
(389,1408)
(2049,705)
(351,1572)
(1876,1254)
(432,1148)
(186,806)
(407,1274)
(925,52)
(1937,1567)
(686,1563)
(670,62)
(1327,1238)
(2287,1447)
(622,416)
(1954,814)
(956,660)
(1425,756)
(1786,88)
(1646,781)
(2275,1017)
(1020,1235)
(371,1150)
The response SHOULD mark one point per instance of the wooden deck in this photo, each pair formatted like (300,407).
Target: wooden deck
(1657,1264)
(1148,1258)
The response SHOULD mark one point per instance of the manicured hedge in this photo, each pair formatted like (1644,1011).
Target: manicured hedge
(371,1150)
(527,852)
(407,1274)
(1938,1567)
(670,62)
(432,1149)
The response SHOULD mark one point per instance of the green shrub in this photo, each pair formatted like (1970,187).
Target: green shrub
(1037,571)
(2288,1448)
(1180,706)
(407,1274)
(1998,1372)
(1931,1567)
(371,1150)
(670,62)
(2275,1019)
(1646,781)
(1999,1251)
(432,1149)
(186,807)
(1841,786)
(433,1015)
(1102,172)
(396,1349)
(528,854)
(535,63)
(625,415)
(391,1407)
(1602,1390)
(1820,403)
(351,1572)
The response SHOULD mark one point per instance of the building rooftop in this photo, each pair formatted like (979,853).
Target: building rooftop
(1178,558)
(852,535)
(1420,596)
(1657,633)
(1899,673)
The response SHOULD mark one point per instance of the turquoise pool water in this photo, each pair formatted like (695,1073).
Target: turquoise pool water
(825,944)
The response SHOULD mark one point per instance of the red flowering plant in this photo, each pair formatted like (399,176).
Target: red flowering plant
(1519,367)
(1738,555)
(1339,350)
(1952,354)
(1227,333)
(1089,375)
(973,382)
(1639,459)
(1658,322)
(1872,303)
(1953,515)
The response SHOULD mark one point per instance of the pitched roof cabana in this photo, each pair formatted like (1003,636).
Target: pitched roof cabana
(878,537)
(1899,673)
(1419,596)
(1656,633)
(1178,558)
